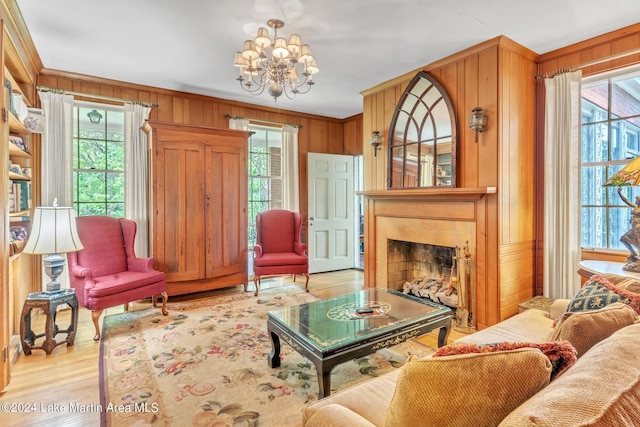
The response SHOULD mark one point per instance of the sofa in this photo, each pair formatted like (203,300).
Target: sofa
(513,385)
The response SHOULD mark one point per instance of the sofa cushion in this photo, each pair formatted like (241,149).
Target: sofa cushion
(598,292)
(368,400)
(467,389)
(531,326)
(601,389)
(561,354)
(584,330)
(333,415)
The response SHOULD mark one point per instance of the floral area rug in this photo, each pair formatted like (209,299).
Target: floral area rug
(205,364)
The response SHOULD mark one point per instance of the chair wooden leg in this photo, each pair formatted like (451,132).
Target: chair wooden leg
(256,282)
(154,302)
(306,285)
(126,306)
(95,316)
(164,303)
(294,277)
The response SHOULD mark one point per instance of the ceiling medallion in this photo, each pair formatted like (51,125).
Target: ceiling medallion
(278,65)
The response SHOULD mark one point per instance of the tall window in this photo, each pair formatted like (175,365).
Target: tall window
(610,139)
(265,174)
(98,160)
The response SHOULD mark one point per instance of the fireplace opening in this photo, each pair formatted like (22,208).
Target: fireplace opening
(423,270)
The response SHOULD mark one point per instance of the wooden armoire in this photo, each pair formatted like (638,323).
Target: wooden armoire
(198,206)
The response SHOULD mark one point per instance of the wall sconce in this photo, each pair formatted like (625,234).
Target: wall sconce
(477,121)
(375,141)
(94,116)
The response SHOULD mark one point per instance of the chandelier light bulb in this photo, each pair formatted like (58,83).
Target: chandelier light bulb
(273,63)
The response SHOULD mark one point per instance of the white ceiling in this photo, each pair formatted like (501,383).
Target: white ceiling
(189,45)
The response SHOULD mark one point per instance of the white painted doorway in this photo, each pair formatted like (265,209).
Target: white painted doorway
(331,212)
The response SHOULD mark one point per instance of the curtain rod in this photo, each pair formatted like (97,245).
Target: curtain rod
(271,122)
(88,95)
(586,64)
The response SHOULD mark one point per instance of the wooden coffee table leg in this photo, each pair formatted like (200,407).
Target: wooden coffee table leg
(443,335)
(274,356)
(324,380)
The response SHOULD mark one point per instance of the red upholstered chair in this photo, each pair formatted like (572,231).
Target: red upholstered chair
(107,272)
(278,249)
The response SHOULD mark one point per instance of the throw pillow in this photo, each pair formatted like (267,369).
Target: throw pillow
(466,389)
(561,354)
(628,283)
(598,292)
(586,329)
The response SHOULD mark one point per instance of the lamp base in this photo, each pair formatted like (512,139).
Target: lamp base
(632,265)
(53,267)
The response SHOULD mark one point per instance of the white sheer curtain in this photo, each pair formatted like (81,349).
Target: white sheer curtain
(136,175)
(57,157)
(562,185)
(290,193)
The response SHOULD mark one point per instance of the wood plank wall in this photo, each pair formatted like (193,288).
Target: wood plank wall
(317,135)
(603,46)
(498,76)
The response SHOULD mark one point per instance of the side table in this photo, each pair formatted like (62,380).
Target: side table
(49,303)
(588,268)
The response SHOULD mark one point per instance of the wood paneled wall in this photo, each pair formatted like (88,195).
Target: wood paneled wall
(601,47)
(318,134)
(498,76)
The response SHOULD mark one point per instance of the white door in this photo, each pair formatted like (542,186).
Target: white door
(331,212)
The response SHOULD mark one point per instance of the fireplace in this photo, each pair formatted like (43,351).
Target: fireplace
(431,225)
(410,262)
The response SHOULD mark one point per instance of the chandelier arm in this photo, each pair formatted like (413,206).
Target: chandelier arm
(307,85)
(247,87)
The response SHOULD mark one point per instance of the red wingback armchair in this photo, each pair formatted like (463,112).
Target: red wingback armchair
(278,249)
(107,272)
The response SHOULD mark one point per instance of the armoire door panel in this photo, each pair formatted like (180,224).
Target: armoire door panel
(226,213)
(182,195)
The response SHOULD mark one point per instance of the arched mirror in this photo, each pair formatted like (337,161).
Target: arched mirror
(422,137)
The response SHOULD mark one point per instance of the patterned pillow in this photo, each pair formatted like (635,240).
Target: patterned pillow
(598,292)
(561,354)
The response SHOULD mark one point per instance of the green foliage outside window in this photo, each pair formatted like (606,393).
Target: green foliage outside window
(98,162)
(265,175)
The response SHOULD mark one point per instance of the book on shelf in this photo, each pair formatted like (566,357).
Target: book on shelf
(376,313)
(19,196)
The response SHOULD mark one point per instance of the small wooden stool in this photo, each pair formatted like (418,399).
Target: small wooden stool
(49,303)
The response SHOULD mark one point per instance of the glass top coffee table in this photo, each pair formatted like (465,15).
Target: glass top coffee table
(324,332)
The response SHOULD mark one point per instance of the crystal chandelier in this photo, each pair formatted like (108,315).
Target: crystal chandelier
(288,68)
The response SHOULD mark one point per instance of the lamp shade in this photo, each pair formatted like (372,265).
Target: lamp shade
(280,50)
(627,176)
(262,39)
(53,231)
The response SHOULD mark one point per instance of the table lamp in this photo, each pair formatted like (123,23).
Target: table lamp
(53,232)
(625,177)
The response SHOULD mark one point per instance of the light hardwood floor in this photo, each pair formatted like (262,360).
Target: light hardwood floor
(70,374)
